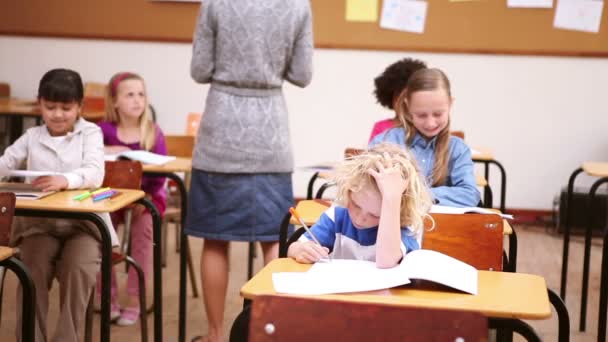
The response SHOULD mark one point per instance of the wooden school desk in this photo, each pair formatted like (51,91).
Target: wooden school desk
(62,205)
(171,170)
(600,171)
(17,110)
(501,295)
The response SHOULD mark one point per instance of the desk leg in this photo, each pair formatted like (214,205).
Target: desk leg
(564,279)
(515,325)
(158,274)
(563,334)
(587,255)
(601,327)
(512,251)
(311,184)
(28,298)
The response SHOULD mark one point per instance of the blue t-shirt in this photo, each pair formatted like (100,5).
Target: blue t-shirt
(460,189)
(335,230)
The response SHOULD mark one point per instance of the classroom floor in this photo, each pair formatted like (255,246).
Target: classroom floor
(539,253)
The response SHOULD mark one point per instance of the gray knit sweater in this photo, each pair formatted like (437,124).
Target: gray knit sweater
(245,49)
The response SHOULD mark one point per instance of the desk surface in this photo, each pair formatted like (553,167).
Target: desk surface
(501,294)
(176,165)
(597,169)
(481,153)
(20,107)
(63,201)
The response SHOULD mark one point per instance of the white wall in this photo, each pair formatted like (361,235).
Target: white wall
(542,116)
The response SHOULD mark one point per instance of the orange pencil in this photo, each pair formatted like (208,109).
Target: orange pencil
(293,212)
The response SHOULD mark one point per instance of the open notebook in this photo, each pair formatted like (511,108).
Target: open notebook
(342,276)
(24,191)
(440,209)
(141,156)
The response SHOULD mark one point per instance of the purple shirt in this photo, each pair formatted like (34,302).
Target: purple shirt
(153,186)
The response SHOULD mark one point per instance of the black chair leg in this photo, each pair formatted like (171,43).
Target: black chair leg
(143,318)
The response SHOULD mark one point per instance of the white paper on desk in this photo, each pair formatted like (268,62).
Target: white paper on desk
(30,173)
(440,268)
(339,276)
(530,3)
(441,209)
(579,15)
(404,15)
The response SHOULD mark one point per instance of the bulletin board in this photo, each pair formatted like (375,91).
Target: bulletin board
(485,26)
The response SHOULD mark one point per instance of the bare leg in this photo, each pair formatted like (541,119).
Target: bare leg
(270,250)
(214,277)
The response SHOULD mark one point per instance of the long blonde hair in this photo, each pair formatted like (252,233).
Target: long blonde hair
(147,130)
(352,176)
(425,80)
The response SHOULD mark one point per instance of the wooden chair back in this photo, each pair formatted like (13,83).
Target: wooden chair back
(459,134)
(7,211)
(473,238)
(123,174)
(351,151)
(278,318)
(179,145)
(5,90)
(192,123)
(95,89)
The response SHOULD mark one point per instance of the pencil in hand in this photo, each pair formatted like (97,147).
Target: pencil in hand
(293,212)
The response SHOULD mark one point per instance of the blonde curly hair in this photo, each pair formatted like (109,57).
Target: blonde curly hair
(352,176)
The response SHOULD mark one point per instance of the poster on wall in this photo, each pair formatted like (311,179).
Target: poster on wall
(579,15)
(530,3)
(175,0)
(404,15)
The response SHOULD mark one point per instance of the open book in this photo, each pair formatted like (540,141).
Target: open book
(341,276)
(24,191)
(140,155)
(440,209)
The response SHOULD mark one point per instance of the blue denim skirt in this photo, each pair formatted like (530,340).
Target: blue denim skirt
(238,207)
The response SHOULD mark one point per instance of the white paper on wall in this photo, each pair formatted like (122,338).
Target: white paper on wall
(404,15)
(580,15)
(530,3)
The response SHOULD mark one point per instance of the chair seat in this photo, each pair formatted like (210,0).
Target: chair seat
(6,252)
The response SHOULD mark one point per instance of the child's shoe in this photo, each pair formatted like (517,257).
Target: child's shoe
(114,312)
(128,317)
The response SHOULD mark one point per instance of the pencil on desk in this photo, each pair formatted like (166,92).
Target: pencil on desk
(293,212)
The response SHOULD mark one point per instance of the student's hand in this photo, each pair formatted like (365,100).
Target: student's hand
(307,252)
(389,178)
(113,149)
(50,183)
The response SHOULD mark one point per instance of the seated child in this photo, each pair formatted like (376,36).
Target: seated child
(382,201)
(388,86)
(68,250)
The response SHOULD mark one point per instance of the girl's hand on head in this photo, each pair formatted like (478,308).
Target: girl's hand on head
(113,149)
(50,183)
(388,177)
(307,252)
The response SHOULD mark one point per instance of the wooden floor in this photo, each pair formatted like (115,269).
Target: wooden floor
(539,253)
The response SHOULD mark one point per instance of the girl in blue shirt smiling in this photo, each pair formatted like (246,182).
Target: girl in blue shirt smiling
(424,109)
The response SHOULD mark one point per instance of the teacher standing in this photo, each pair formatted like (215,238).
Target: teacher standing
(242,162)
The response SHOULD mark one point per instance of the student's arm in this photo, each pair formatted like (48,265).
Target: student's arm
(155,184)
(202,64)
(388,242)
(91,171)
(14,155)
(462,192)
(299,71)
(305,250)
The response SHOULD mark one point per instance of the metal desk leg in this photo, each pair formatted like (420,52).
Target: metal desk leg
(563,334)
(158,274)
(564,279)
(28,312)
(515,325)
(512,251)
(587,255)
(311,184)
(601,327)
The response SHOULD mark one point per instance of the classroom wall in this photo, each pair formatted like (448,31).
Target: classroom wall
(542,116)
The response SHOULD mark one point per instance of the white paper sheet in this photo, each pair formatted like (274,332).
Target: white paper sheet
(339,276)
(440,209)
(404,15)
(142,156)
(30,173)
(579,15)
(530,3)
